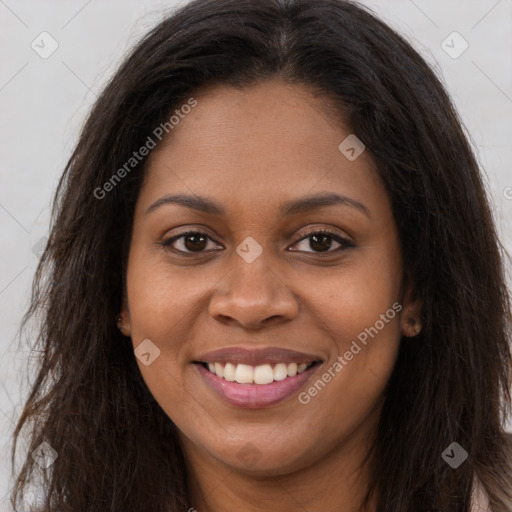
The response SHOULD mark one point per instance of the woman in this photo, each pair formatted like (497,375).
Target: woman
(273,281)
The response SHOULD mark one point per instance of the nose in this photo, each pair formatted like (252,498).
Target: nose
(252,295)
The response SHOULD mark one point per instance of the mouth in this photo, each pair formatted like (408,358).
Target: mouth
(260,375)
(255,378)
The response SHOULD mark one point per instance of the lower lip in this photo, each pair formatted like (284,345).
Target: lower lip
(253,396)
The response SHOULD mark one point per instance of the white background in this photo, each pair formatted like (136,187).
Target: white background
(43,103)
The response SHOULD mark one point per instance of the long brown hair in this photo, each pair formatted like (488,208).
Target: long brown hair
(117,449)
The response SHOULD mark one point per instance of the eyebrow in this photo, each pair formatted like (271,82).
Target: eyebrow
(291,207)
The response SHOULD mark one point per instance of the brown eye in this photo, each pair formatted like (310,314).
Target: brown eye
(321,241)
(195,242)
(189,242)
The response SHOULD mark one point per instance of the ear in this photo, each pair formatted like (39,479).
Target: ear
(123,319)
(411,314)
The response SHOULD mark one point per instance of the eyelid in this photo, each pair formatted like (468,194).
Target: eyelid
(327,231)
(187,231)
(344,242)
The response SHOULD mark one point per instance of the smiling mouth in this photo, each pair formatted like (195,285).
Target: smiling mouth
(261,375)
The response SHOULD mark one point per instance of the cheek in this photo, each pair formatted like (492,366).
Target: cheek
(162,307)
(348,389)
(353,299)
(364,332)
(164,302)
(359,311)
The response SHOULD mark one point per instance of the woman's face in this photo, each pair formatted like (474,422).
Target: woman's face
(258,292)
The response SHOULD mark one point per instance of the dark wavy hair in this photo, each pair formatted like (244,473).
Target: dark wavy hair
(117,449)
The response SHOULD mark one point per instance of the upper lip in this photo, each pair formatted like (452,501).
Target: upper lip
(257,356)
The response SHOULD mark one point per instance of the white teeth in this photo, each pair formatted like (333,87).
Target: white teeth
(229,372)
(292,369)
(244,374)
(219,369)
(301,367)
(262,374)
(280,372)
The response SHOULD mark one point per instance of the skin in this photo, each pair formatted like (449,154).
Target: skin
(250,150)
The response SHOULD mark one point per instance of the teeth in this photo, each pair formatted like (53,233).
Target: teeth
(280,372)
(262,374)
(229,372)
(292,369)
(244,374)
(219,369)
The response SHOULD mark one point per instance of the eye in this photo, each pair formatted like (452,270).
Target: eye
(321,241)
(191,242)
(188,242)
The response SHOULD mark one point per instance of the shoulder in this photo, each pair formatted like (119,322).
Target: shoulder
(479,499)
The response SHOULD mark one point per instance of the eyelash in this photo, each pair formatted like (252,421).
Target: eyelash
(344,243)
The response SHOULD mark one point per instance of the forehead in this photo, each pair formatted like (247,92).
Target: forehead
(253,145)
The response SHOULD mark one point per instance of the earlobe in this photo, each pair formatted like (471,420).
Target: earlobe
(123,325)
(411,315)
(411,326)
(123,320)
